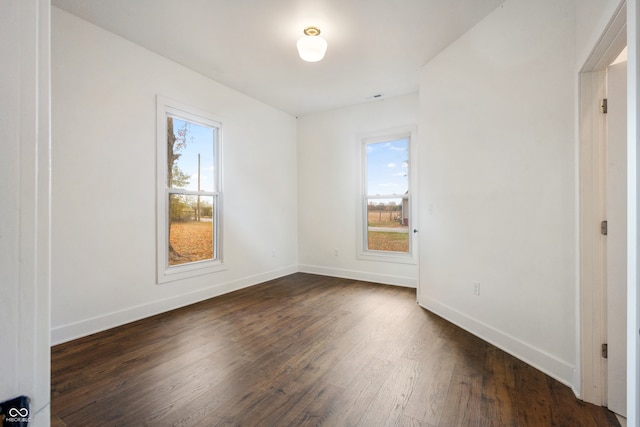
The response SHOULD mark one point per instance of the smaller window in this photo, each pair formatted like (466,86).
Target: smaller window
(189,193)
(386,198)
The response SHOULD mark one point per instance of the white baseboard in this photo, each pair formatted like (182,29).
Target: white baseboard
(408,282)
(550,365)
(558,369)
(90,326)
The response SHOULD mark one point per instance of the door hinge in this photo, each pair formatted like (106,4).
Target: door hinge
(604,227)
(605,351)
(603,106)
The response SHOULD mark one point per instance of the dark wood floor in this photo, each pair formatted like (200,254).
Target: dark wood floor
(304,350)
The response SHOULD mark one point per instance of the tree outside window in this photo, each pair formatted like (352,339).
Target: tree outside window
(189,198)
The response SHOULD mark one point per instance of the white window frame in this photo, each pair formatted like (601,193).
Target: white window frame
(364,140)
(165,273)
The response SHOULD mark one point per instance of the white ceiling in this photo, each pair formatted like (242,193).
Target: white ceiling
(375,46)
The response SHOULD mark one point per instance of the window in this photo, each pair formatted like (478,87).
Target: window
(189,192)
(386,198)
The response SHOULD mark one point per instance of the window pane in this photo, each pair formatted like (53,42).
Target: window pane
(388,168)
(190,155)
(191,225)
(388,225)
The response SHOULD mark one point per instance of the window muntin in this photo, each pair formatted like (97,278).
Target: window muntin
(386,198)
(189,193)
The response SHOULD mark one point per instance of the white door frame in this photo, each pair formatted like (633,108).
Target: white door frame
(633,218)
(624,26)
(592,169)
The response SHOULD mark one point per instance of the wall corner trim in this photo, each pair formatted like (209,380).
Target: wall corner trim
(365,276)
(539,359)
(69,332)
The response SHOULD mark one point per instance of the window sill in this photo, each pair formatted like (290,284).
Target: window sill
(395,257)
(187,271)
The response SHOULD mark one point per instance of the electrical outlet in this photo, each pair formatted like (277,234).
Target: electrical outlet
(337,252)
(273,253)
(476,288)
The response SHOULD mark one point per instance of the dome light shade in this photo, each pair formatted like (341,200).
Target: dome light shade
(312,47)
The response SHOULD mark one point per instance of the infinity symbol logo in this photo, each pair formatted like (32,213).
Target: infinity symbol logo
(22,412)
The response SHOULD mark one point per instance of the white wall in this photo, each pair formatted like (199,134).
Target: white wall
(498,189)
(104,177)
(25,206)
(9,209)
(329,192)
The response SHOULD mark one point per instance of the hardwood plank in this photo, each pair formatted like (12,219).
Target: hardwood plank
(57,422)
(462,405)
(359,392)
(405,421)
(303,350)
(569,411)
(434,373)
(530,395)
(497,408)
(389,403)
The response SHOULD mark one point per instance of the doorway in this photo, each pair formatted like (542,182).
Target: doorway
(616,237)
(603,194)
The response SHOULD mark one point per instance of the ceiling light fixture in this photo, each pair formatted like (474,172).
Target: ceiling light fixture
(312,47)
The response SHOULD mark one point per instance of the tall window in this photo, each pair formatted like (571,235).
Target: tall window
(386,202)
(189,196)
